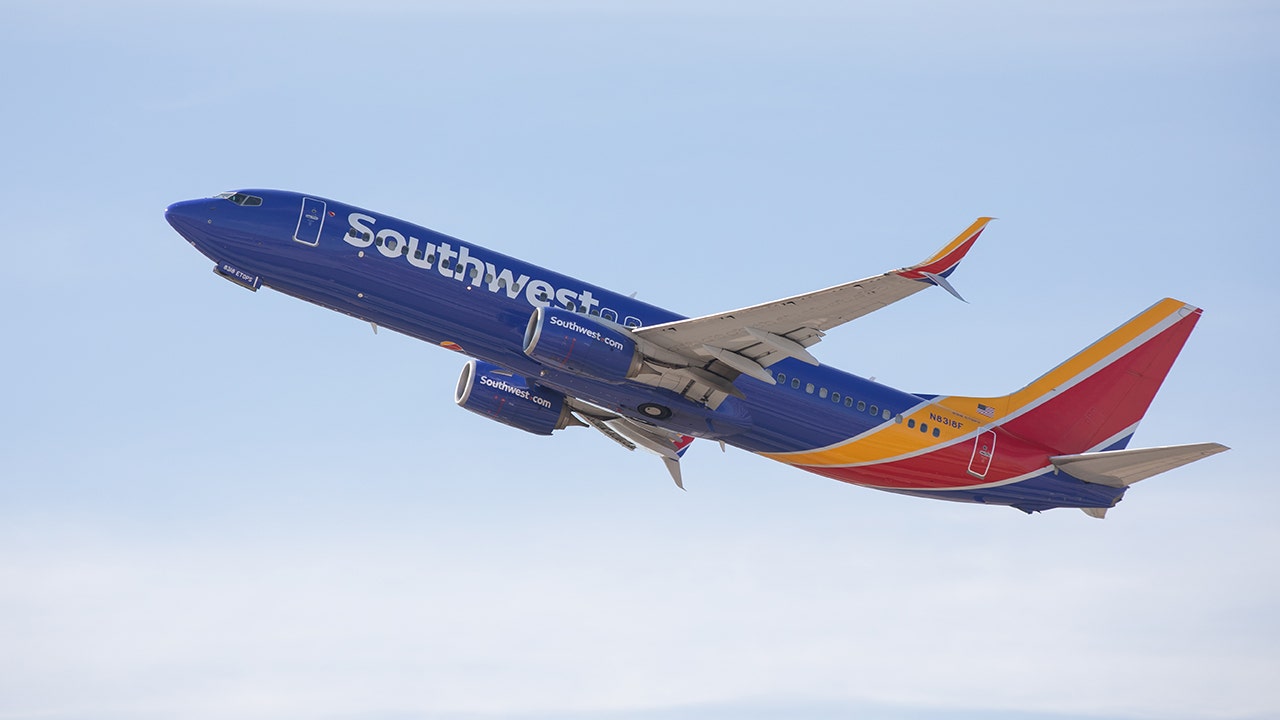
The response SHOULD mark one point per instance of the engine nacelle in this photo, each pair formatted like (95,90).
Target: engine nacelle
(502,395)
(581,345)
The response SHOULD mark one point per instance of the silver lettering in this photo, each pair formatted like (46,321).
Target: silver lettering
(421,258)
(459,264)
(502,279)
(389,242)
(466,263)
(446,259)
(538,293)
(363,233)
(522,393)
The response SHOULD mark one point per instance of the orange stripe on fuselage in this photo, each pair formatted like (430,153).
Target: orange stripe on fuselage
(945,468)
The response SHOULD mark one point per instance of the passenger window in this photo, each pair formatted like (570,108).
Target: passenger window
(795,383)
(782,378)
(848,401)
(911,423)
(874,411)
(924,427)
(936,433)
(808,387)
(835,397)
(862,405)
(886,413)
(609,315)
(822,393)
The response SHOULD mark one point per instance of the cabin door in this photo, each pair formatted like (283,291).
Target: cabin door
(310,220)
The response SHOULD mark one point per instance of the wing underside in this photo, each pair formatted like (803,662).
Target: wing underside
(630,434)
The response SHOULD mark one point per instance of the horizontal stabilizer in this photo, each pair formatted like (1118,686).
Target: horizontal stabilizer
(1122,468)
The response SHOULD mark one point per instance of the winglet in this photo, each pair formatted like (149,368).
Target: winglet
(673,467)
(940,264)
(945,285)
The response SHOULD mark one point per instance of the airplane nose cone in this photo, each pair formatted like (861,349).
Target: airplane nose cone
(185,216)
(193,219)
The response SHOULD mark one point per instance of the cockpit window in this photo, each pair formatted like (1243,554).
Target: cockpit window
(241,199)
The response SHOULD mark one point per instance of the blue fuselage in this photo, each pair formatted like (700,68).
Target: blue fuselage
(452,293)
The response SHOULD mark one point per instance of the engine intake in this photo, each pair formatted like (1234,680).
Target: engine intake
(581,345)
(511,399)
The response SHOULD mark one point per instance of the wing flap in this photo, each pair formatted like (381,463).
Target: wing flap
(668,445)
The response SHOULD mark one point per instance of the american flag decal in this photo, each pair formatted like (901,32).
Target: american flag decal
(986,410)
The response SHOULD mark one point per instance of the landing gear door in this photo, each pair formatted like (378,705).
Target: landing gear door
(310,221)
(984,448)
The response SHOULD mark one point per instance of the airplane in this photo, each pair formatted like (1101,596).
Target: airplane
(547,352)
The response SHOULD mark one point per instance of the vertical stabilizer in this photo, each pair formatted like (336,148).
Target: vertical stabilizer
(1094,400)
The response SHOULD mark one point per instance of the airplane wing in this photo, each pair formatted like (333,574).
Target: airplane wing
(717,348)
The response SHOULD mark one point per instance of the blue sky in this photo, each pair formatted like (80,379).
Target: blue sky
(215,503)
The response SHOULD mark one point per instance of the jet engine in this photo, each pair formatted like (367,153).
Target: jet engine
(502,395)
(582,345)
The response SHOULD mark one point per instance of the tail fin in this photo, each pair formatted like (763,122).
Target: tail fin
(1094,400)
